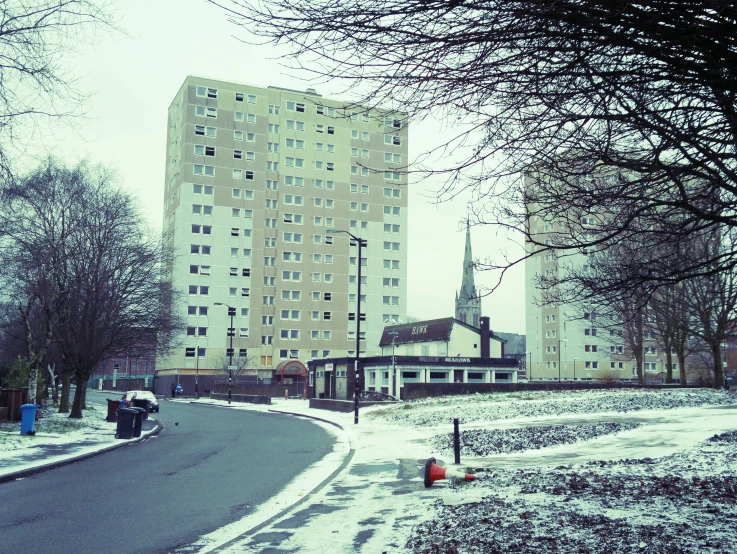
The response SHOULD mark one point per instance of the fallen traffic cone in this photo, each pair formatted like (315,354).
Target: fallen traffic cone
(433,472)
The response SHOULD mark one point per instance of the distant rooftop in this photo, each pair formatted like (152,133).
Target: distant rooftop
(515,344)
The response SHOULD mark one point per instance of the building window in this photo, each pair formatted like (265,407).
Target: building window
(206,92)
(206,111)
(201,130)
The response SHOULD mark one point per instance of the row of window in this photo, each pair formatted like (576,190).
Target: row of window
(294,238)
(211,111)
(613,349)
(594,364)
(292,180)
(275,128)
(209,92)
(295,180)
(592,332)
(189,352)
(299,107)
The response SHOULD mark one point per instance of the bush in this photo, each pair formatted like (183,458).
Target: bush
(17,375)
(608,376)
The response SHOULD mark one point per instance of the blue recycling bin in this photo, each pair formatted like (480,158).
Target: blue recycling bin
(28,419)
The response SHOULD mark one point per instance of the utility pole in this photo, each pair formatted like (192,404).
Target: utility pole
(394,335)
(231,332)
(360,243)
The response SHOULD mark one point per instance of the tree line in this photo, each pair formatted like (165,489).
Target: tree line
(83,277)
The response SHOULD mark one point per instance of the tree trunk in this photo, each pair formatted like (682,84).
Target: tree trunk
(682,367)
(718,372)
(640,374)
(79,395)
(669,361)
(32,383)
(54,388)
(64,401)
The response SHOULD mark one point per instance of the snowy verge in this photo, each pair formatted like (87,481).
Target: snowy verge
(685,502)
(485,442)
(535,404)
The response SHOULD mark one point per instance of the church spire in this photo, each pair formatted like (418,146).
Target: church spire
(468,287)
(468,304)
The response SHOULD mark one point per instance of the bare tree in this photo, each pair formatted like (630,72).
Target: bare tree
(712,300)
(673,326)
(642,94)
(244,366)
(105,283)
(37,224)
(36,85)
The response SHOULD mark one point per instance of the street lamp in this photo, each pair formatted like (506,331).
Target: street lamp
(574,368)
(197,371)
(528,368)
(394,335)
(231,332)
(559,356)
(361,243)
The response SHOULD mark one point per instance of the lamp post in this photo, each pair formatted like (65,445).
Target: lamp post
(574,368)
(394,335)
(361,244)
(529,367)
(231,332)
(558,360)
(197,371)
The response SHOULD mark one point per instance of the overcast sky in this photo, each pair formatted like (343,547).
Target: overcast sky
(133,79)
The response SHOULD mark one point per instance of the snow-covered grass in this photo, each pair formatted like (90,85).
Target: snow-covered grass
(682,502)
(504,406)
(55,428)
(484,442)
(685,503)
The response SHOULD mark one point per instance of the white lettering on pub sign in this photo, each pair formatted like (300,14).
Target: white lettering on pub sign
(419,330)
(461,360)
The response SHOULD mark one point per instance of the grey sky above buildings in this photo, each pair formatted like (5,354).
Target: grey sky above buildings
(132,80)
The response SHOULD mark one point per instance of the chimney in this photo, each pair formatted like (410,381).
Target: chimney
(485,337)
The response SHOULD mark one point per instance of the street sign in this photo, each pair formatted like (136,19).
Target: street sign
(232,367)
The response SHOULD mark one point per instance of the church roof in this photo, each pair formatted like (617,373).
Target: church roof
(426,331)
(515,345)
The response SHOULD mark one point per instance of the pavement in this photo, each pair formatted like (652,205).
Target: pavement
(18,464)
(368,494)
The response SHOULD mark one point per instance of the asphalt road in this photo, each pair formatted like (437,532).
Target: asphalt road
(211,469)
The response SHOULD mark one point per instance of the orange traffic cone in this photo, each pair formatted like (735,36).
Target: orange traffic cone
(433,472)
